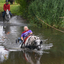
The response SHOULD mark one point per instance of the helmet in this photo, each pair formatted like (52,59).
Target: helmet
(6,0)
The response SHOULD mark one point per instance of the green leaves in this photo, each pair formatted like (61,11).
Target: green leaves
(47,10)
(50,10)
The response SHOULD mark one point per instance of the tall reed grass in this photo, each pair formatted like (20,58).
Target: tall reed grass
(48,10)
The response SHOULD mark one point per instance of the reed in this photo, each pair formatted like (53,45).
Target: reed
(47,10)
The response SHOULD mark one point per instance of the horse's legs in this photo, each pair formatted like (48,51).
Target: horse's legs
(3,19)
(22,45)
(7,20)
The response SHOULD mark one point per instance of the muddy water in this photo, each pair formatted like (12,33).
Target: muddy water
(52,51)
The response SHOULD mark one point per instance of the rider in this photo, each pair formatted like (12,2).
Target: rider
(25,34)
(5,7)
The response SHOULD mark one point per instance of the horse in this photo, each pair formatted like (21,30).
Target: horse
(32,42)
(7,16)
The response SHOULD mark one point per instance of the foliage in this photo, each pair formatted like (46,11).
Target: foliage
(23,6)
(47,10)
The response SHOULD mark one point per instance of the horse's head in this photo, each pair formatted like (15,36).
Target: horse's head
(34,41)
(7,15)
(7,11)
(37,41)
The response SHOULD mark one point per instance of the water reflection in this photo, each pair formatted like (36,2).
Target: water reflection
(20,57)
(2,36)
(32,57)
(6,29)
(1,31)
(3,54)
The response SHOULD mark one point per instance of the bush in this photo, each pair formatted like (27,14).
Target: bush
(47,10)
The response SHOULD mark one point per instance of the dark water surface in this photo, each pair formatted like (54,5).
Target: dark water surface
(10,53)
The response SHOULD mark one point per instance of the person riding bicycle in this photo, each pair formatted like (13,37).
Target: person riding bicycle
(5,7)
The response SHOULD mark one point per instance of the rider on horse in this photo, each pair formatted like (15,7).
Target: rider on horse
(25,34)
(28,41)
(5,7)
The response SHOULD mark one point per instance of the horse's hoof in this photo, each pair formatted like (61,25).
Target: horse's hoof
(41,42)
(39,49)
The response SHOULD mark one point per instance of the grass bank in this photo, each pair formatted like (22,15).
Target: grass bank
(15,9)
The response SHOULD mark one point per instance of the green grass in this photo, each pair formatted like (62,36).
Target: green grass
(2,1)
(15,9)
(1,7)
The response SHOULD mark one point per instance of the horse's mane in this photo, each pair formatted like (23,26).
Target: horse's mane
(30,40)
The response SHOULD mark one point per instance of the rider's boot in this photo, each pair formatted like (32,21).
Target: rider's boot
(11,16)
